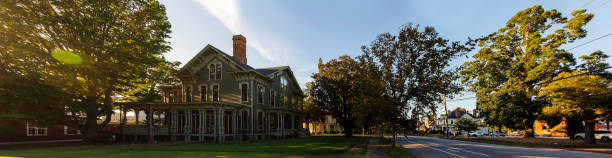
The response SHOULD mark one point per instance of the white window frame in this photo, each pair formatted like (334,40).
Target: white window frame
(36,130)
(247,92)
(242,124)
(190,94)
(261,91)
(212,71)
(213,92)
(272,98)
(262,121)
(204,98)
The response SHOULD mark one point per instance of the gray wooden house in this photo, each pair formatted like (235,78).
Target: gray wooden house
(220,98)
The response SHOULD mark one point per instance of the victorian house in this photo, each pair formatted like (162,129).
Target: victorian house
(220,98)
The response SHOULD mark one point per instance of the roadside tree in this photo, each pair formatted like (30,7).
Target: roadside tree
(508,70)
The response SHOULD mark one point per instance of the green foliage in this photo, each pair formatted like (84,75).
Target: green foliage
(163,73)
(313,112)
(415,68)
(577,94)
(514,61)
(466,125)
(347,89)
(91,50)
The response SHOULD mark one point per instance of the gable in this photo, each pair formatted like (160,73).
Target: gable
(291,78)
(208,54)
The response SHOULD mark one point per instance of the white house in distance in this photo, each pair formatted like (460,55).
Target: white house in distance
(454,116)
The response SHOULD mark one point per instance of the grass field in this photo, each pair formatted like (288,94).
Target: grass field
(316,146)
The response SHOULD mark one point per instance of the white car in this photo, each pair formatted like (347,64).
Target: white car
(603,135)
(476,134)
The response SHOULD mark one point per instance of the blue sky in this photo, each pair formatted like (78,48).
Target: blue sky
(298,33)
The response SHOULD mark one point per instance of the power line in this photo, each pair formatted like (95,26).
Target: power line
(584,73)
(468,98)
(591,41)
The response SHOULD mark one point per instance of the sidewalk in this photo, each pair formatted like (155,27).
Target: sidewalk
(376,149)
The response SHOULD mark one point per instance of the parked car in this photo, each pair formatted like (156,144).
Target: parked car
(476,134)
(603,135)
(499,134)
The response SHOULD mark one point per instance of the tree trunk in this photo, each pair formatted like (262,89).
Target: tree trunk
(589,134)
(528,128)
(394,133)
(91,127)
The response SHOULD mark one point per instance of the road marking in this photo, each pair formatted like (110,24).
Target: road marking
(440,150)
(459,149)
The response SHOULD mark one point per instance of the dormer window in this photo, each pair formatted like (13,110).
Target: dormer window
(214,71)
(244,90)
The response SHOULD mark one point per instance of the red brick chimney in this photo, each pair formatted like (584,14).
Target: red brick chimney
(240,48)
(474,113)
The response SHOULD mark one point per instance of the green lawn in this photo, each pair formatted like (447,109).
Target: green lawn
(316,146)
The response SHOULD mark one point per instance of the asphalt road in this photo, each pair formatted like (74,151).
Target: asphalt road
(426,147)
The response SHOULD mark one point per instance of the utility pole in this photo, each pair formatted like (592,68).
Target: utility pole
(445,116)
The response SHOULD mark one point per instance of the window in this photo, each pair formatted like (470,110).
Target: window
(218,76)
(287,121)
(213,72)
(203,93)
(293,102)
(244,90)
(245,119)
(272,98)
(283,91)
(171,97)
(273,120)
(195,121)
(188,94)
(260,94)
(227,121)
(176,96)
(215,93)
(71,131)
(210,121)
(35,131)
(260,120)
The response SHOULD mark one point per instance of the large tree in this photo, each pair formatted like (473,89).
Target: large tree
(348,89)
(508,70)
(89,49)
(415,66)
(579,94)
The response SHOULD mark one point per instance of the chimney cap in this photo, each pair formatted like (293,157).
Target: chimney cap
(238,37)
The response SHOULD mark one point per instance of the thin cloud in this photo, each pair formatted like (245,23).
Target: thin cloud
(228,12)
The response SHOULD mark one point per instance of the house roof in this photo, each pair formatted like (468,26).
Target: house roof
(245,66)
(264,72)
(453,114)
(270,70)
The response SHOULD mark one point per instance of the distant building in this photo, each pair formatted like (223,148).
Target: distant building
(328,125)
(29,131)
(454,116)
